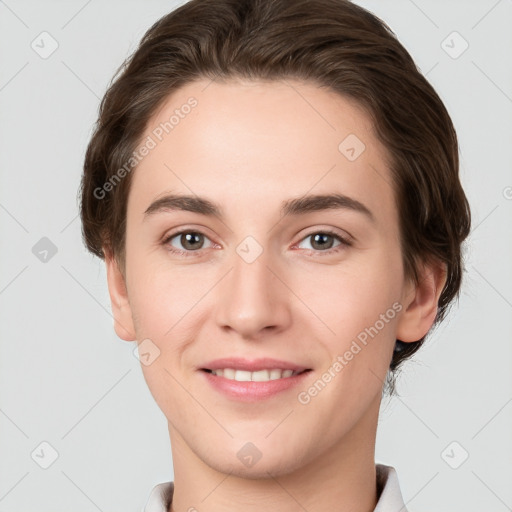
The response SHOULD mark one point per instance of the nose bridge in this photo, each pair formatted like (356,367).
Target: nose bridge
(251,298)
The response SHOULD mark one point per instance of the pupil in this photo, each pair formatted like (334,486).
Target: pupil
(189,239)
(321,236)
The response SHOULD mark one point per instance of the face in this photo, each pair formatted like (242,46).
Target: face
(307,284)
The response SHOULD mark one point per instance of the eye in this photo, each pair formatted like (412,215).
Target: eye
(322,241)
(191,241)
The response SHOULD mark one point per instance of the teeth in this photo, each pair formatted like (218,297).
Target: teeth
(259,376)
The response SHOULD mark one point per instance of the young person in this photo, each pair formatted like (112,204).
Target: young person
(274,188)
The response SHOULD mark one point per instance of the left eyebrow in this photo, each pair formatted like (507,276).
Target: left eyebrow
(314,203)
(295,206)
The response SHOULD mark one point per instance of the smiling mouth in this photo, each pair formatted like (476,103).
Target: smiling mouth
(256,376)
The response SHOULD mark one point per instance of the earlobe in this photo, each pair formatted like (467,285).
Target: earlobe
(421,303)
(123,319)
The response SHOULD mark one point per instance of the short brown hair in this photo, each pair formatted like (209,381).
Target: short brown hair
(331,43)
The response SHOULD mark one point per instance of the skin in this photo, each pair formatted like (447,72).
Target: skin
(249,146)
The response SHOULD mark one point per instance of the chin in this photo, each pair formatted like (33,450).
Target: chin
(275,465)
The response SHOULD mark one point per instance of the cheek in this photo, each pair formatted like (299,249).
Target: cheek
(361,309)
(161,294)
(166,303)
(363,313)
(351,297)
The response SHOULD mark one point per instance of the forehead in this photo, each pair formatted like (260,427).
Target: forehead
(246,143)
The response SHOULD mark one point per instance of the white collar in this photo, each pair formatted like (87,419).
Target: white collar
(390,497)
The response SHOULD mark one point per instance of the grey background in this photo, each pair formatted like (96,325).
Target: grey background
(67,380)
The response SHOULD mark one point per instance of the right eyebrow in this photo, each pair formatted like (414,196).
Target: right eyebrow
(187,203)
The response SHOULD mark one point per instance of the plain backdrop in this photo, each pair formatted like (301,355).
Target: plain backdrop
(72,395)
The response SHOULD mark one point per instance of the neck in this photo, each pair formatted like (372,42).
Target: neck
(342,477)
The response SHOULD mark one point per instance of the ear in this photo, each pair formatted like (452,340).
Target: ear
(123,319)
(420,303)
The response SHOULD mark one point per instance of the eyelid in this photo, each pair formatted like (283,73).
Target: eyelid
(203,230)
(328,230)
(180,231)
(345,241)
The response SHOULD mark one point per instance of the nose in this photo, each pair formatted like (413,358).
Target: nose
(253,298)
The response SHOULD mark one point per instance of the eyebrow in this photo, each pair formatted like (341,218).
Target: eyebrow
(294,206)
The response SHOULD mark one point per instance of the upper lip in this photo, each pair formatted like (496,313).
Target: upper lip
(253,365)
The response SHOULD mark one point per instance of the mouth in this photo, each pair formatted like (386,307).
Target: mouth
(242,364)
(253,386)
(264,375)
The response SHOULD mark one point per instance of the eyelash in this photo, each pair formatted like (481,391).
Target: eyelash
(343,242)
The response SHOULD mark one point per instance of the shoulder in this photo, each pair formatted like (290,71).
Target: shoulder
(388,490)
(160,498)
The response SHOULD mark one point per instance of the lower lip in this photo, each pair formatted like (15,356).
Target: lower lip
(250,391)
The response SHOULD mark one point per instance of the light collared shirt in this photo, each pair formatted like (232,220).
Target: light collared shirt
(388,492)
